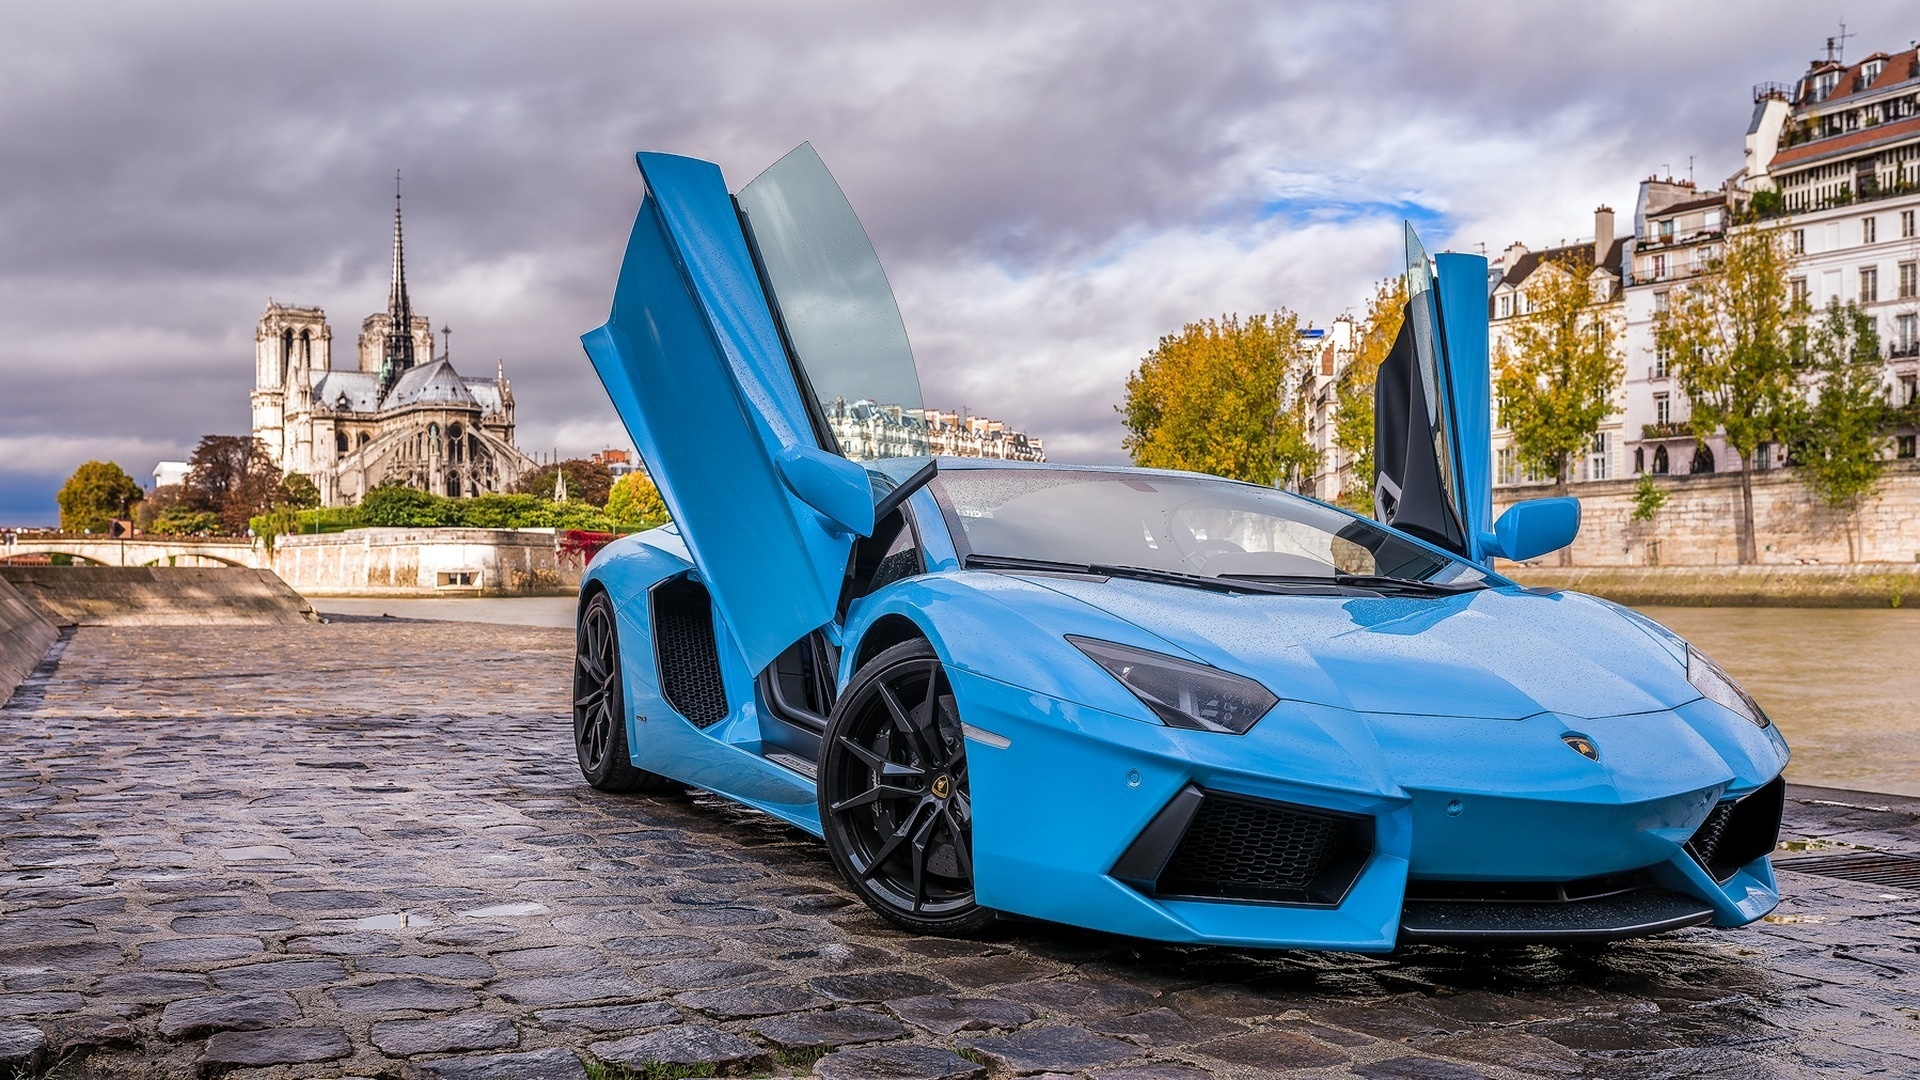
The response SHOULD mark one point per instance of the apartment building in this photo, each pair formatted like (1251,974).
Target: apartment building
(1326,353)
(1678,233)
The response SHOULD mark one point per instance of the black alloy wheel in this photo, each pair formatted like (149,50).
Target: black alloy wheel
(599,706)
(894,801)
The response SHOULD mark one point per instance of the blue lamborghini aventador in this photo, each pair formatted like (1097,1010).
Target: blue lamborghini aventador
(1152,703)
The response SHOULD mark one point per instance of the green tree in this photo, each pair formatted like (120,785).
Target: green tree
(635,502)
(94,495)
(299,492)
(1843,431)
(1216,398)
(1733,334)
(232,476)
(1648,497)
(1353,432)
(1558,372)
(588,481)
(397,506)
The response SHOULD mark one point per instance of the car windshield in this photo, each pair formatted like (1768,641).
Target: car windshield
(1193,526)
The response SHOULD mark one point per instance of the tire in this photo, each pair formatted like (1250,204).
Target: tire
(904,846)
(600,705)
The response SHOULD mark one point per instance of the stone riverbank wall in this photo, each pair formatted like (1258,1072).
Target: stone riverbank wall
(25,634)
(1697,526)
(157,596)
(415,562)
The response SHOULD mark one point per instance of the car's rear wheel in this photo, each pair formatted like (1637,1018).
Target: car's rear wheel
(894,800)
(599,705)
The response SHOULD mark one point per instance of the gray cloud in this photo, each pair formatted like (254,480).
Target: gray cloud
(1051,187)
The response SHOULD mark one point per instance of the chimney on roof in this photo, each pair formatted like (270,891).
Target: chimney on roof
(1512,255)
(1602,233)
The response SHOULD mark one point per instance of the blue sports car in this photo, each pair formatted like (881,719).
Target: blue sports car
(1145,702)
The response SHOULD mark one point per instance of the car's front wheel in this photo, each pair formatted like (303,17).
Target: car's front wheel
(599,705)
(894,800)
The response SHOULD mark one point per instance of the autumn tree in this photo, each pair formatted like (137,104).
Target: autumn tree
(588,481)
(232,477)
(1216,398)
(635,502)
(1558,371)
(1353,390)
(94,495)
(1733,336)
(298,492)
(1842,431)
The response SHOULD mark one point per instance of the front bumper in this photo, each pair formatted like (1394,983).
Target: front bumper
(1453,803)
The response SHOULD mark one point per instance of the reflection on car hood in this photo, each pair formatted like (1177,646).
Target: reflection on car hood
(1498,653)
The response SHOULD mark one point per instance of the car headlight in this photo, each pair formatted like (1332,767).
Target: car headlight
(1181,692)
(1718,687)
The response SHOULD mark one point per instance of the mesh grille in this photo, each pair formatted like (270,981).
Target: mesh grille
(1739,831)
(689,659)
(1239,847)
(1706,839)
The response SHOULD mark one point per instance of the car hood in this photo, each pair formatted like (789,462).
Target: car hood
(1499,653)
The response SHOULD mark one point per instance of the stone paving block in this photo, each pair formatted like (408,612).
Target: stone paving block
(457,966)
(1416,1068)
(274,1046)
(704,974)
(751,1001)
(1155,1071)
(21,1044)
(1530,1054)
(14,1006)
(1078,999)
(442,1035)
(878,986)
(945,1015)
(596,985)
(230,924)
(1052,1048)
(227,1012)
(279,975)
(84,1033)
(836,1027)
(685,1045)
(604,1019)
(897,1061)
(549,959)
(1273,1050)
(1164,1027)
(199,950)
(326,900)
(389,995)
(346,944)
(555,1064)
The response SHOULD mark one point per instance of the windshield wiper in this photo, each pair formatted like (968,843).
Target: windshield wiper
(1373,582)
(1144,573)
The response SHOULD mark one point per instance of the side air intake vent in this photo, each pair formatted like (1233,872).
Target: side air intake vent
(685,649)
(1739,831)
(1208,845)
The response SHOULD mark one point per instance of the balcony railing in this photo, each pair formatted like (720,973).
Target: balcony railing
(1902,350)
(1667,429)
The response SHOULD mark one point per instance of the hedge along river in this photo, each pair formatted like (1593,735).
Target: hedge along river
(1840,682)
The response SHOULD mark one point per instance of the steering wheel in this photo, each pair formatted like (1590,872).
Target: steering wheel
(1197,556)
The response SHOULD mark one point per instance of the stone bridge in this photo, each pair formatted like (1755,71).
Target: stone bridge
(140,550)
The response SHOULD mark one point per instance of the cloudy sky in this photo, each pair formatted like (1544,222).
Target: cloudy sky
(1051,186)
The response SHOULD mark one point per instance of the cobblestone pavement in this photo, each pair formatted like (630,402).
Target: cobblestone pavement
(362,849)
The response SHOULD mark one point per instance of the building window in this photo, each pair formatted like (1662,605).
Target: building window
(1660,302)
(1869,284)
(1503,472)
(1906,224)
(1799,241)
(1869,230)
(1906,336)
(1662,408)
(1909,280)
(1903,446)
(1800,295)
(340,442)
(1599,463)
(1662,360)
(1639,460)
(1502,307)
(1907,390)
(1660,461)
(1666,231)
(1659,267)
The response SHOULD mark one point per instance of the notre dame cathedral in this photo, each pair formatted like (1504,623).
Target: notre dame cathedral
(403,414)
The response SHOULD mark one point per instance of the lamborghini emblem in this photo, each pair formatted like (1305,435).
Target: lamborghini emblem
(1582,746)
(942,787)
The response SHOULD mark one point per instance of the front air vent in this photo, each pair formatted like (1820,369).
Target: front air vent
(1208,845)
(686,651)
(1739,831)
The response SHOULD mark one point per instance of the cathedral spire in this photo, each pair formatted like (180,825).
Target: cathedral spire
(399,344)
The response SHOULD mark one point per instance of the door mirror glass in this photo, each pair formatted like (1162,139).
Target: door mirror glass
(1535,527)
(835,310)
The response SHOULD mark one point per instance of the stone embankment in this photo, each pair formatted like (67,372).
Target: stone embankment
(415,562)
(25,634)
(157,596)
(1863,586)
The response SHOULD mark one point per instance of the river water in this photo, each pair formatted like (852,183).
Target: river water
(1836,680)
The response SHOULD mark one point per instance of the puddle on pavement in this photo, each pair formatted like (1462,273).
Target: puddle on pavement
(507,911)
(398,920)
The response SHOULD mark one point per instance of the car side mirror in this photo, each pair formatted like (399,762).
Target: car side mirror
(1532,528)
(837,489)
